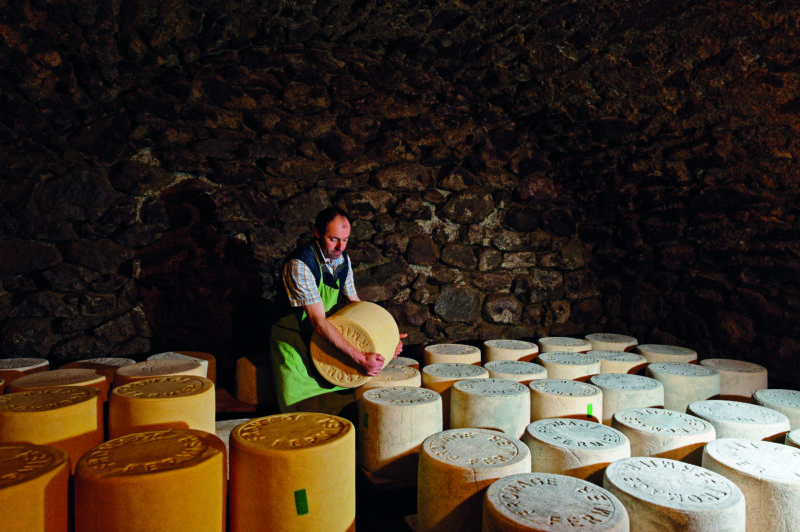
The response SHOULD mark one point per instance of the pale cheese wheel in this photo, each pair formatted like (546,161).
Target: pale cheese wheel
(509,350)
(533,502)
(175,401)
(767,473)
(293,472)
(619,361)
(549,344)
(223,429)
(515,370)
(456,467)
(108,366)
(34,488)
(738,379)
(784,401)
(163,480)
(12,368)
(574,447)
(156,368)
(611,342)
(684,383)
(666,495)
(568,365)
(734,419)
(793,438)
(664,433)
(496,404)
(209,358)
(391,376)
(62,377)
(172,355)
(255,381)
(621,390)
(441,377)
(666,353)
(565,398)
(404,361)
(452,354)
(367,327)
(395,420)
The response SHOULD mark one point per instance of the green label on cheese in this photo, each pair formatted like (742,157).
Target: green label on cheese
(301,502)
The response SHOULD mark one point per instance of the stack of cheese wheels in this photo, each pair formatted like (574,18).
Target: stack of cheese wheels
(34,488)
(621,391)
(611,342)
(452,354)
(793,438)
(528,502)
(574,447)
(156,368)
(548,344)
(255,381)
(665,495)
(12,368)
(734,419)
(394,422)
(767,473)
(367,327)
(565,398)
(664,433)
(293,472)
(515,370)
(570,366)
(66,417)
(684,383)
(455,469)
(161,480)
(172,355)
(62,377)
(738,380)
(509,350)
(666,353)
(619,361)
(404,361)
(108,366)
(786,402)
(441,377)
(178,401)
(496,404)
(391,376)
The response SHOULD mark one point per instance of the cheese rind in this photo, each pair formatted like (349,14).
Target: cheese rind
(569,365)
(734,419)
(12,368)
(738,379)
(666,353)
(619,362)
(786,402)
(404,361)
(793,438)
(173,355)
(509,350)
(621,390)
(549,344)
(391,376)
(62,377)
(156,368)
(515,370)
(611,342)
(255,381)
(108,366)
(497,404)
(452,353)
(442,376)
(565,398)
(684,383)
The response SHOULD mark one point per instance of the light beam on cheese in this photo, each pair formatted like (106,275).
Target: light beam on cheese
(12,368)
(734,419)
(491,404)
(451,354)
(621,390)
(550,344)
(738,379)
(509,350)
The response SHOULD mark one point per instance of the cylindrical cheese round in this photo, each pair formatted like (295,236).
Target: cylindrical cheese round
(619,362)
(156,368)
(565,398)
(621,390)
(12,368)
(452,354)
(404,361)
(738,380)
(570,366)
(455,469)
(394,422)
(62,377)
(367,327)
(210,359)
(666,495)
(172,355)
(293,472)
(441,377)
(515,370)
(159,481)
(391,376)
(223,431)
(786,402)
(664,433)
(734,419)
(684,383)
(531,502)
(666,353)
(793,438)
(767,473)
(611,342)
(255,381)
(549,344)
(574,447)
(34,488)
(497,404)
(178,401)
(108,366)
(509,350)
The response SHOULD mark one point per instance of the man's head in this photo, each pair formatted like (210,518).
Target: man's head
(332,231)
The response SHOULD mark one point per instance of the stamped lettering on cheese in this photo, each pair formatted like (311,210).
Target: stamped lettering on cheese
(564,387)
(682,369)
(575,433)
(736,412)
(617,356)
(294,431)
(760,459)
(568,358)
(455,370)
(624,381)
(564,341)
(473,448)
(787,398)
(511,344)
(491,387)
(514,367)
(400,395)
(19,463)
(164,387)
(46,399)
(148,452)
(660,421)
(451,349)
(611,338)
(396,373)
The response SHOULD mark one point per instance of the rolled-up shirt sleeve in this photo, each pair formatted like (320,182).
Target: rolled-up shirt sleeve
(300,285)
(349,285)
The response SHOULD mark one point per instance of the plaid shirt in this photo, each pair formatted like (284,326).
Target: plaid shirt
(300,283)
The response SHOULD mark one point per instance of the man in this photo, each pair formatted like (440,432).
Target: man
(314,277)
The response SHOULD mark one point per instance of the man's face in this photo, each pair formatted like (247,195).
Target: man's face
(335,238)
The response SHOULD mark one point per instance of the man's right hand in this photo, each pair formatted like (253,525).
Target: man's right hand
(371,362)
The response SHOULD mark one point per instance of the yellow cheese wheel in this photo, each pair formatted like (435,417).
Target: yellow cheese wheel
(175,401)
(156,481)
(255,381)
(108,366)
(11,368)
(34,488)
(293,472)
(62,377)
(157,368)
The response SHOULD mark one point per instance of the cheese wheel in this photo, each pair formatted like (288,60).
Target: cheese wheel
(34,488)
(515,370)
(666,495)
(210,359)
(255,381)
(62,377)
(619,362)
(611,342)
(767,473)
(784,401)
(565,398)
(497,404)
(156,368)
(223,429)
(172,355)
(69,418)
(11,368)
(574,447)
(177,401)
(108,366)
(684,383)
(738,380)
(664,433)
(562,343)
(456,468)
(452,354)
(293,472)
(441,377)
(164,480)
(734,419)
(570,366)
(509,350)
(527,502)
(404,361)
(666,353)
(395,420)
(367,327)
(391,376)
(793,438)
(621,390)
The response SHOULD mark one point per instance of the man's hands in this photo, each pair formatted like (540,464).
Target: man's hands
(399,345)
(371,362)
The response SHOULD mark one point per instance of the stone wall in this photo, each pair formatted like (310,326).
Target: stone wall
(513,170)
